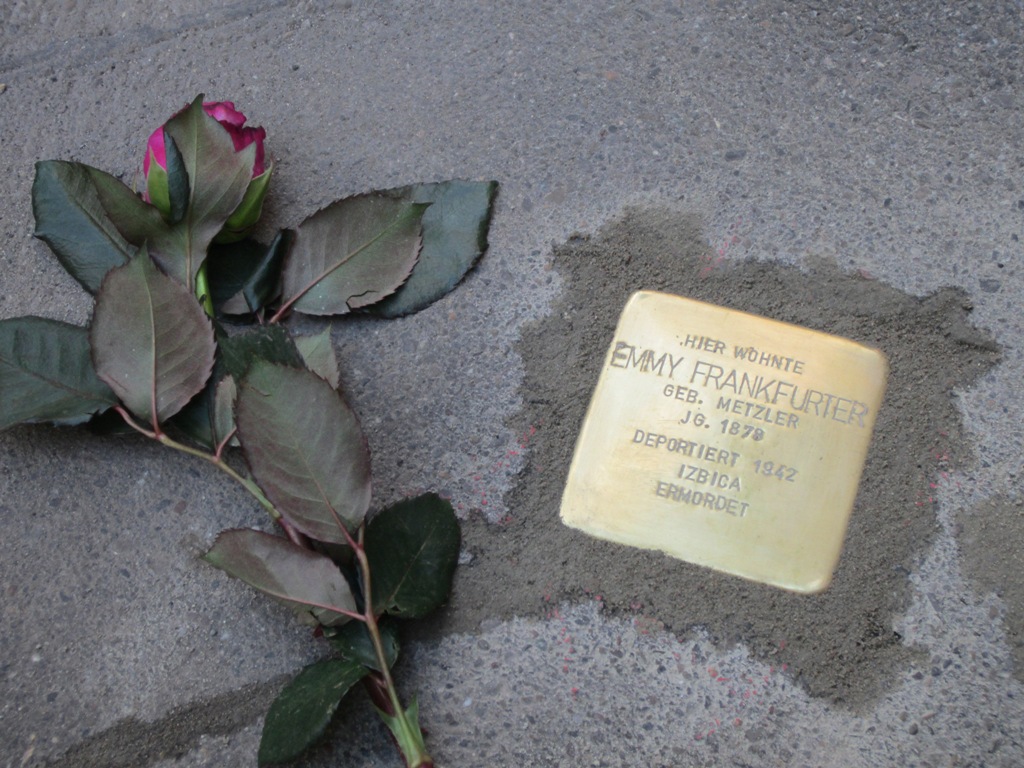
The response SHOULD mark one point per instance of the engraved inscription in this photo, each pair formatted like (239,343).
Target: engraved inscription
(715,476)
(688,448)
(812,402)
(778,471)
(713,501)
(632,357)
(701,476)
(726,439)
(703,343)
(768,359)
(758,412)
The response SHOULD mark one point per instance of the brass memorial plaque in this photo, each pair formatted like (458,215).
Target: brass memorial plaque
(727,440)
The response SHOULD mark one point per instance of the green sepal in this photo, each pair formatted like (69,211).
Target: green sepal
(248,212)
(408,734)
(177,182)
(158,188)
(167,189)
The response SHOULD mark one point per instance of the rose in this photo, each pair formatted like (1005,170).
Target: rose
(231,119)
(245,216)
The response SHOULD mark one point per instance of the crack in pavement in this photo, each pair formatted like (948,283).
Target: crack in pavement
(132,743)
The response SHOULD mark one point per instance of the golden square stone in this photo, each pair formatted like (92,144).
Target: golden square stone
(727,440)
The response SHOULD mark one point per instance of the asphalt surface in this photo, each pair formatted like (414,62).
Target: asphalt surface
(885,136)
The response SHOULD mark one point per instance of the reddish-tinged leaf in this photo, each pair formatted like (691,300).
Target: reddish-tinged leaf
(151,341)
(351,254)
(305,448)
(304,580)
(318,353)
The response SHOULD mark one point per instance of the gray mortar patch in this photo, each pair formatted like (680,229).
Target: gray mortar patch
(839,645)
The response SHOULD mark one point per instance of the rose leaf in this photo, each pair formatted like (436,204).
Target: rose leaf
(151,341)
(305,448)
(351,254)
(46,373)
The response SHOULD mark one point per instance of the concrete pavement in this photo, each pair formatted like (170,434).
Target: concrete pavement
(885,137)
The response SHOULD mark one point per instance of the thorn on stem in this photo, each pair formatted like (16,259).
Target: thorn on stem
(376,689)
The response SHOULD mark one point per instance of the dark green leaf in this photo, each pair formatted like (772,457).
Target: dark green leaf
(318,353)
(198,419)
(302,711)
(351,254)
(228,267)
(454,238)
(301,578)
(177,180)
(204,418)
(46,373)
(150,339)
(209,417)
(413,548)
(305,448)
(71,219)
(107,423)
(353,642)
(270,343)
(244,276)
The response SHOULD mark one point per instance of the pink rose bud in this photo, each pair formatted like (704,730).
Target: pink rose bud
(154,166)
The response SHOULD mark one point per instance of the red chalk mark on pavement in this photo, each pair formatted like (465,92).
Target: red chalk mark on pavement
(714,260)
(938,477)
(480,482)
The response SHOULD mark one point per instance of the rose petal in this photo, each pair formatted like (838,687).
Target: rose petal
(243,137)
(224,112)
(156,148)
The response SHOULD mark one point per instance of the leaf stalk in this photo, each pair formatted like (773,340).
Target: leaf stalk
(403,723)
(213,458)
